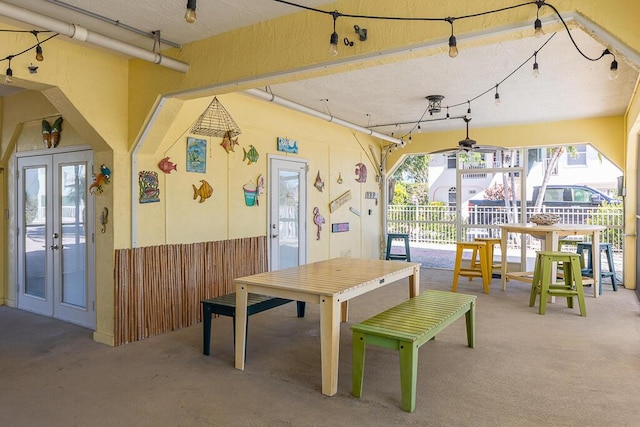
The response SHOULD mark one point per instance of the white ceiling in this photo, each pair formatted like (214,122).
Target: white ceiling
(569,86)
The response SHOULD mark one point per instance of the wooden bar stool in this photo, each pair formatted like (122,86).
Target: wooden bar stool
(479,269)
(406,256)
(585,250)
(544,286)
(491,243)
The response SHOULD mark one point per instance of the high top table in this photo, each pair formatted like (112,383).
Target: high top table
(550,234)
(331,284)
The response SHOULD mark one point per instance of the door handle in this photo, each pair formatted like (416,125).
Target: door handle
(54,247)
(274,236)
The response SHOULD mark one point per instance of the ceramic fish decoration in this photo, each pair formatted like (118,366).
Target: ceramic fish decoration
(102,178)
(228,142)
(167,166)
(252,155)
(51,133)
(318,220)
(205,191)
(361,172)
(319,184)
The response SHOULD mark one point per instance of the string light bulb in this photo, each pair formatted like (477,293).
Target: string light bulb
(497,96)
(39,56)
(469,107)
(190,14)
(333,42)
(537,24)
(613,70)
(9,72)
(536,68)
(453,44)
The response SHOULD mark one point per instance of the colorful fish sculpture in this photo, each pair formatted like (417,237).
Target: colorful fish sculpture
(102,178)
(205,191)
(361,173)
(51,133)
(167,166)
(252,155)
(228,142)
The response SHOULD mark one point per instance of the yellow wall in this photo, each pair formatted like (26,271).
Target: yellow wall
(330,149)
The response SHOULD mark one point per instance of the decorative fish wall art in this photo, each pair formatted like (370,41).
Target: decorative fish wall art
(251,155)
(204,191)
(51,133)
(167,165)
(228,142)
(101,179)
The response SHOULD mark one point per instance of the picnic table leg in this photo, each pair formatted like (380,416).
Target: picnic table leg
(206,329)
(414,282)
(408,374)
(242,297)
(329,343)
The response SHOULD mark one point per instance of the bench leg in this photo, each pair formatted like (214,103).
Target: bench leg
(357,363)
(206,329)
(408,375)
(470,317)
(300,306)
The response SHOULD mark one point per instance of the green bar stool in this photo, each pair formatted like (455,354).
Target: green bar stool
(406,256)
(544,286)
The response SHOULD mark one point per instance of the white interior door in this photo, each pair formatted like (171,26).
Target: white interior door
(287,213)
(55,229)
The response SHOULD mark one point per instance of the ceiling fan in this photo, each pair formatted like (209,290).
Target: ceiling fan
(469,145)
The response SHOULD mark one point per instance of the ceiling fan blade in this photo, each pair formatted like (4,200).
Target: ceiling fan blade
(445,150)
(487,148)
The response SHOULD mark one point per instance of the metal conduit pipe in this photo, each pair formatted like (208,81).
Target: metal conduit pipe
(77,32)
(318,114)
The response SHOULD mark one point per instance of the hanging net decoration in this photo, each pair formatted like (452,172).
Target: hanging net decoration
(215,121)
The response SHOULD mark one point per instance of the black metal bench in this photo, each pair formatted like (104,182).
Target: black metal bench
(226,306)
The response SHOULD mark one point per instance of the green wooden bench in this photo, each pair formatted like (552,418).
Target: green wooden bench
(405,328)
(226,306)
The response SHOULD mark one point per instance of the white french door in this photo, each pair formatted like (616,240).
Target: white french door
(287,221)
(55,227)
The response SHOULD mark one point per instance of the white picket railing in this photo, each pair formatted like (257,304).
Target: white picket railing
(437,224)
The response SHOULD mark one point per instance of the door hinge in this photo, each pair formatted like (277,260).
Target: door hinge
(93,237)
(306,168)
(93,305)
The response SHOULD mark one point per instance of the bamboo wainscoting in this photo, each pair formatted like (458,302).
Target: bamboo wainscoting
(159,288)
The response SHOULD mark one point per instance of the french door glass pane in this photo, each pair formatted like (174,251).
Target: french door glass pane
(73,233)
(35,220)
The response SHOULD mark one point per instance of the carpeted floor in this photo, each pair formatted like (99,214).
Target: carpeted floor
(559,369)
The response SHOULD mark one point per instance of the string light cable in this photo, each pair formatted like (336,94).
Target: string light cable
(37,47)
(453,48)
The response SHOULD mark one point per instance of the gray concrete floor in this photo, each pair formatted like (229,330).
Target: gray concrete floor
(559,369)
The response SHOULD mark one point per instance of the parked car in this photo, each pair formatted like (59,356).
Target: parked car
(485,211)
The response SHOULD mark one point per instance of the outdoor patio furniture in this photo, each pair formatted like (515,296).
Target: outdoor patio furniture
(475,269)
(406,256)
(585,250)
(544,285)
(491,244)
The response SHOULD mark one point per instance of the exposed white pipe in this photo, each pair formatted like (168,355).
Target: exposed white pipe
(82,34)
(320,115)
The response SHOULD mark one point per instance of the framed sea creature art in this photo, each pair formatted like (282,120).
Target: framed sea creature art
(148,182)
(288,145)
(196,155)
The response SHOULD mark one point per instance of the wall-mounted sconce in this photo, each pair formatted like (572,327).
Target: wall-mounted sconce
(362,35)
